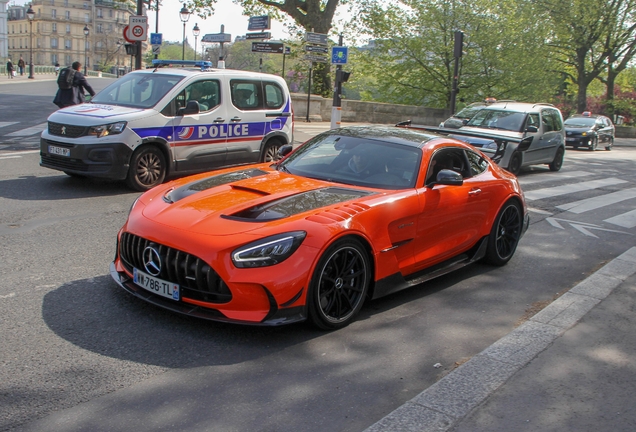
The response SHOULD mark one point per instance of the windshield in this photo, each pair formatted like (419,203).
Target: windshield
(468,112)
(498,119)
(580,122)
(355,161)
(137,90)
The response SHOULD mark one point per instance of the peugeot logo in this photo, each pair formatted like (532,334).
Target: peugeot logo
(152,261)
(63,130)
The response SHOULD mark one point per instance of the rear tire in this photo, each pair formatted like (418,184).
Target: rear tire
(339,285)
(270,151)
(147,168)
(557,163)
(504,234)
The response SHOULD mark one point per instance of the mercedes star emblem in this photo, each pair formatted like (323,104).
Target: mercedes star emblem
(152,261)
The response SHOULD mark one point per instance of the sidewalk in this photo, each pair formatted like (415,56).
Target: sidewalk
(571,367)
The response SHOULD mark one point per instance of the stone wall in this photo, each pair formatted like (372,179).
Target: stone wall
(366,112)
(625,132)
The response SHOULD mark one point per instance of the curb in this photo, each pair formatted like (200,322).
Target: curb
(448,401)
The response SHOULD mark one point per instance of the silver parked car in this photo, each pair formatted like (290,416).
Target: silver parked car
(518,120)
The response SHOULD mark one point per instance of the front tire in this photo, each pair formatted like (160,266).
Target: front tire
(147,168)
(610,143)
(504,234)
(557,163)
(593,144)
(339,285)
(514,166)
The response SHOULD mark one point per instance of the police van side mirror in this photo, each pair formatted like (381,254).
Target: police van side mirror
(532,129)
(192,107)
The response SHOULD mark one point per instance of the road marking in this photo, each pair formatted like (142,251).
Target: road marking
(3,124)
(539,178)
(20,153)
(571,188)
(599,201)
(582,227)
(10,157)
(535,210)
(7,296)
(29,131)
(626,220)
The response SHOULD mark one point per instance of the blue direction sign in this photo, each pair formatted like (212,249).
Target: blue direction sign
(259,23)
(155,38)
(339,55)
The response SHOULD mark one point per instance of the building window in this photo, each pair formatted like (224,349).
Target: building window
(68,15)
(99,13)
(65,3)
(52,2)
(87,45)
(54,27)
(68,28)
(68,44)
(68,59)
(54,13)
(54,58)
(53,42)
(37,41)
(87,18)
(110,13)
(99,29)
(85,5)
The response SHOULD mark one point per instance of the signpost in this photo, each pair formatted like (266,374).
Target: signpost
(217,38)
(259,23)
(339,55)
(137,28)
(268,47)
(260,35)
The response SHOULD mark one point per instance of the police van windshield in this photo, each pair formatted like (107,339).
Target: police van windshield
(137,90)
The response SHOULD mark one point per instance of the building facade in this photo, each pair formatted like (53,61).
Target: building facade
(4,44)
(57,32)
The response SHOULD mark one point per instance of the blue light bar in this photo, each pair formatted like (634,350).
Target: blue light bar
(198,63)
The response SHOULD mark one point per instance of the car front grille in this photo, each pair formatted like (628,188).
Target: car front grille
(195,277)
(69,131)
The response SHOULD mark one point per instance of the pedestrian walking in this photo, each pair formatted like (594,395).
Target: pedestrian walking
(72,85)
(10,68)
(57,68)
(21,65)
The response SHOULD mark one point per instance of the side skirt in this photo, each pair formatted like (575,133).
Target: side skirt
(396,282)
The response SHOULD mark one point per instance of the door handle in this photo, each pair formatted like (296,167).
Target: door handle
(235,119)
(474,191)
(219,120)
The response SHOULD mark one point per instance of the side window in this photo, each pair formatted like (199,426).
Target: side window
(478,163)
(548,121)
(274,96)
(557,120)
(449,158)
(245,94)
(533,120)
(205,92)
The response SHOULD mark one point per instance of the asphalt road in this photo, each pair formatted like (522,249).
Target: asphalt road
(78,353)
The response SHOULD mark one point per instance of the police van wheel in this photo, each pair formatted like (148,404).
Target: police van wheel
(270,151)
(147,168)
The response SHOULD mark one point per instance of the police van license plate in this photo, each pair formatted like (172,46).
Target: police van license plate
(60,151)
(155,285)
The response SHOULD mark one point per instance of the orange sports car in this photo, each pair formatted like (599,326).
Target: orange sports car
(353,213)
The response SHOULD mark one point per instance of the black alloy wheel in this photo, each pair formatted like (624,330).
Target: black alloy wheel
(610,143)
(147,168)
(593,143)
(514,166)
(504,234)
(557,163)
(339,285)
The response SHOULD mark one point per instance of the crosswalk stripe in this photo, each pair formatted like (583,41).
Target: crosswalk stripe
(3,124)
(599,201)
(625,220)
(539,178)
(29,131)
(571,188)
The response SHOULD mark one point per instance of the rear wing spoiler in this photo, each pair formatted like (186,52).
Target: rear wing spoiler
(501,141)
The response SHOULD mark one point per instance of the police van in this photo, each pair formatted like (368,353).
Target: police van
(156,123)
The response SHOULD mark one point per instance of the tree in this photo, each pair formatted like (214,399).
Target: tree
(310,15)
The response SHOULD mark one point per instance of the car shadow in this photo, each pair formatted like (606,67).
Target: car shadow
(60,187)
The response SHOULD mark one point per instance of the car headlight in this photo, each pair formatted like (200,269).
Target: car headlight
(107,129)
(584,134)
(491,146)
(268,251)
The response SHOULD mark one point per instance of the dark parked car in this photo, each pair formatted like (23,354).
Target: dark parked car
(588,130)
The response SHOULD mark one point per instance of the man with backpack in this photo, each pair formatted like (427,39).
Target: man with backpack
(72,85)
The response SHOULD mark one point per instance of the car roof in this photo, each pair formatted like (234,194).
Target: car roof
(518,106)
(188,72)
(391,134)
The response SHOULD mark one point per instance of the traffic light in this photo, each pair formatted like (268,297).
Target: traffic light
(342,76)
(459,44)
(131,49)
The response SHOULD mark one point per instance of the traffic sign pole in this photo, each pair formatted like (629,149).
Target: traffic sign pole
(336,108)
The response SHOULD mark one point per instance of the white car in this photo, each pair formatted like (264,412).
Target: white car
(153,124)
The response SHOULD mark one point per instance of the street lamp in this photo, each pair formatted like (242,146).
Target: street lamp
(184,14)
(86,31)
(196,31)
(30,15)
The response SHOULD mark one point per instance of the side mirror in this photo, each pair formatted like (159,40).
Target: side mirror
(284,150)
(449,177)
(532,129)
(192,107)
(465,121)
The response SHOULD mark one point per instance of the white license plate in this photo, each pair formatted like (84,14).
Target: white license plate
(570,139)
(158,286)
(60,151)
